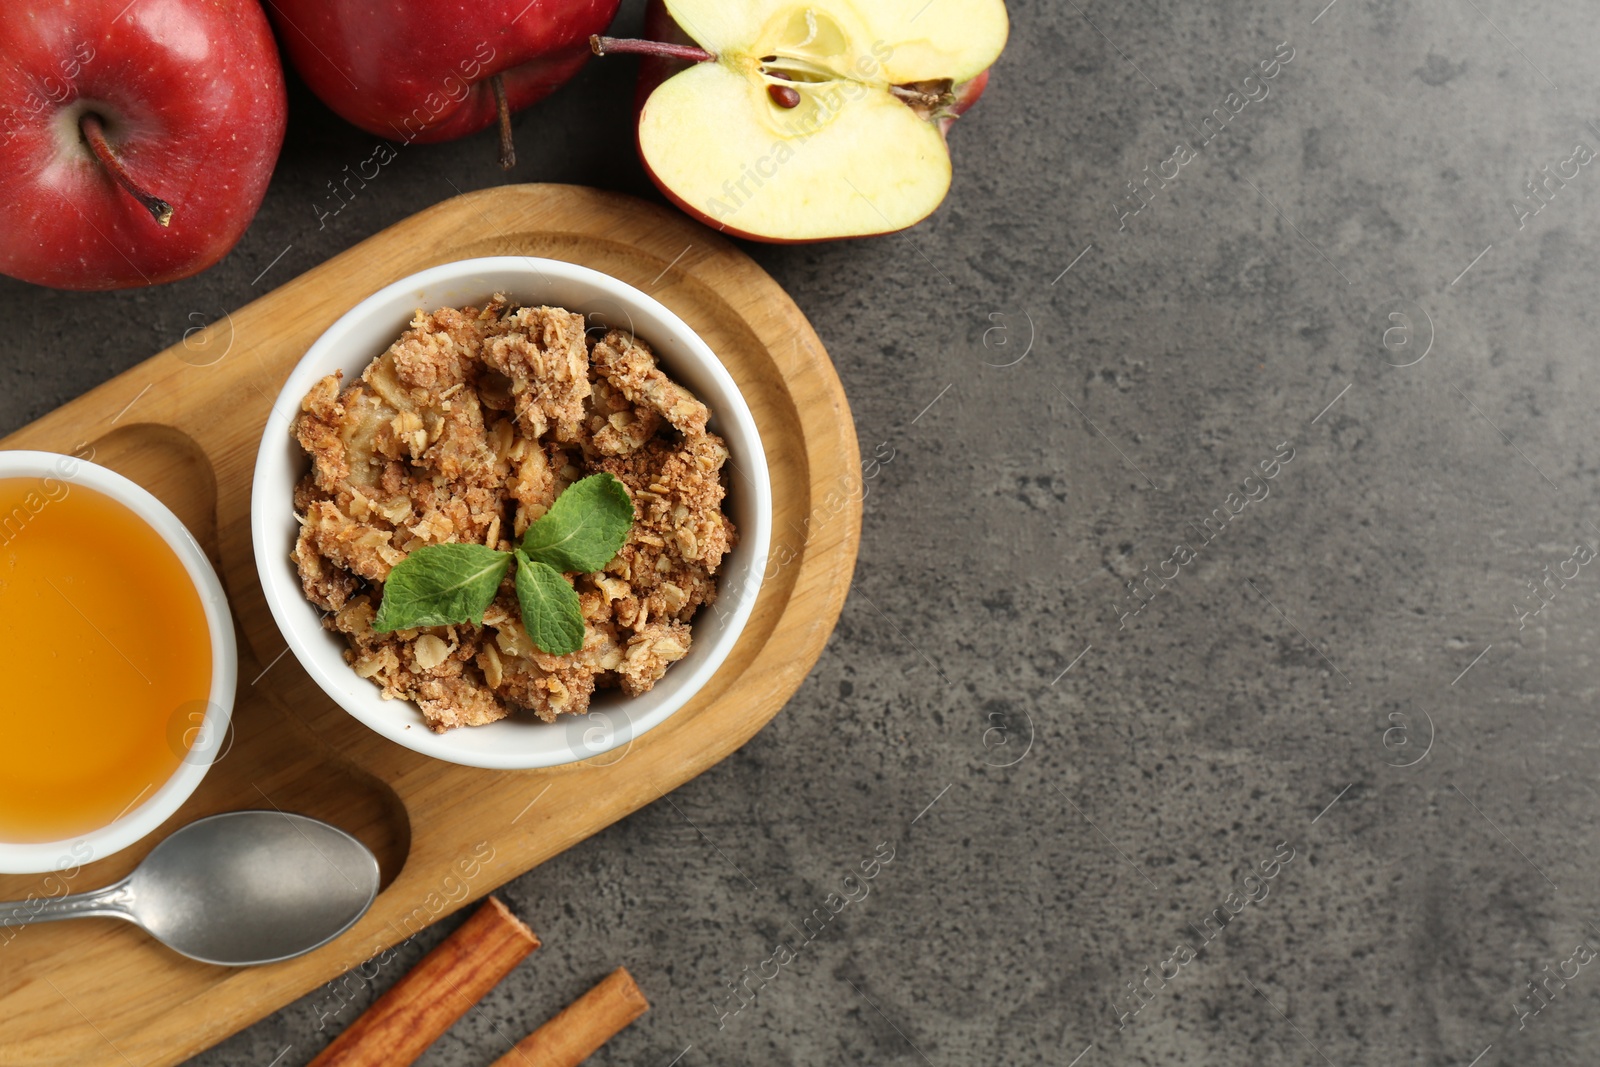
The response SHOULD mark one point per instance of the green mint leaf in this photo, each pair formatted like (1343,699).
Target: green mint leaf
(550,610)
(441,584)
(584,529)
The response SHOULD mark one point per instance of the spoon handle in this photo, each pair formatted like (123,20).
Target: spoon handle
(115,901)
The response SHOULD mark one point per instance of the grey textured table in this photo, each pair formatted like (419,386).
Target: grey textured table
(1344,286)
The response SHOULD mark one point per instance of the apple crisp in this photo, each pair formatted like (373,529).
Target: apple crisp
(465,431)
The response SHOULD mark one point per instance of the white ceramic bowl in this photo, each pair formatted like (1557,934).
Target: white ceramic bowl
(209,728)
(613,720)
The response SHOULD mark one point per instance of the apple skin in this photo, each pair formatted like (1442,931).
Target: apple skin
(191,96)
(967,94)
(659,25)
(417,71)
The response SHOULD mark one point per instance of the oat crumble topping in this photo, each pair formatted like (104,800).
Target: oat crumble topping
(466,430)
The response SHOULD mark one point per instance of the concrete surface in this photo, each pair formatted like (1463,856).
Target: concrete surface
(1340,672)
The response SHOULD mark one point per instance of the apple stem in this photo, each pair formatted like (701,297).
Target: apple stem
(602,46)
(94,133)
(508,147)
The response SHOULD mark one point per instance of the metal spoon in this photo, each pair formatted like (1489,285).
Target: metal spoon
(236,889)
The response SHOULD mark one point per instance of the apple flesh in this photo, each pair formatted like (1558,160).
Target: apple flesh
(423,71)
(184,98)
(809,122)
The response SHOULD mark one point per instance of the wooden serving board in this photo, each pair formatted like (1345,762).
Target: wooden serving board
(186,424)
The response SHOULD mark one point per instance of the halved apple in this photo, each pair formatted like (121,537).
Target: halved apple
(799,122)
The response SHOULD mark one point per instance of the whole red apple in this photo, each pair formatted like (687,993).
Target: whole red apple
(136,139)
(796,124)
(436,70)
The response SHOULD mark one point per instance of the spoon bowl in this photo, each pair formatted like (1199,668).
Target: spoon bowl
(236,889)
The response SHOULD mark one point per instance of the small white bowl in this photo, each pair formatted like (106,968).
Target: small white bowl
(613,720)
(212,726)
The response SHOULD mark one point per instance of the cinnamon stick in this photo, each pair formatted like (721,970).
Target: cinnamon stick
(582,1027)
(441,988)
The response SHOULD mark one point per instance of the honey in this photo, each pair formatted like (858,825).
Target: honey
(105,660)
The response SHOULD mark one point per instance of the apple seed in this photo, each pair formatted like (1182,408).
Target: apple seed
(784,96)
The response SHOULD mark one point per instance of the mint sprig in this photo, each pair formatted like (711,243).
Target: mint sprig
(550,611)
(584,527)
(439,585)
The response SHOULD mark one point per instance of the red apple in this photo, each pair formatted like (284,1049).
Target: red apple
(807,123)
(432,70)
(136,139)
